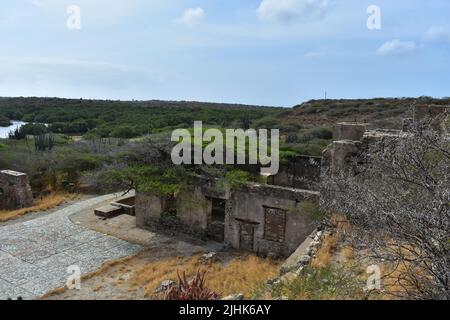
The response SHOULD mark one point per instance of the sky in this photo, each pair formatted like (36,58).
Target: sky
(263,52)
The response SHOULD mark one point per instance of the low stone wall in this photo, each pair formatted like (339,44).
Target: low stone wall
(304,254)
(15,190)
(301,258)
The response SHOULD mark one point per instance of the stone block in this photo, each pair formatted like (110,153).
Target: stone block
(349,131)
(15,190)
(109,211)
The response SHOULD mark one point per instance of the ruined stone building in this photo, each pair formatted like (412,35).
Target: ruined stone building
(269,219)
(258,218)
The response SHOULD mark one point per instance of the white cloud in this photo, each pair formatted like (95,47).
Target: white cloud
(192,16)
(289,10)
(396,47)
(437,34)
(37,70)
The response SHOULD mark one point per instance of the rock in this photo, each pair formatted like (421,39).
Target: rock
(272,282)
(299,271)
(166,284)
(235,297)
(209,257)
(304,260)
(315,243)
(318,236)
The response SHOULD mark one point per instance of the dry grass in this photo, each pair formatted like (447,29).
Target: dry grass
(396,277)
(331,248)
(240,275)
(326,252)
(43,204)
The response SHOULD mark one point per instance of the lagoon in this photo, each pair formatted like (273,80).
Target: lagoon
(4,131)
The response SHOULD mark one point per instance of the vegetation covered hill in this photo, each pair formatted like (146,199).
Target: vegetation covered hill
(127,119)
(380,112)
(305,128)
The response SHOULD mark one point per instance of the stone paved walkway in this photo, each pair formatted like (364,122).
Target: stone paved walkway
(35,255)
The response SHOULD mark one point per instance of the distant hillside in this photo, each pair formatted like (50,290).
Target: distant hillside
(381,113)
(305,129)
(126,119)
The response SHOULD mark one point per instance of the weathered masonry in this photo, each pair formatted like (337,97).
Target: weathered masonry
(299,172)
(257,218)
(267,219)
(15,190)
(270,219)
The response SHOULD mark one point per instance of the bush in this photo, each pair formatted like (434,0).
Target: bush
(33,129)
(124,132)
(322,133)
(238,178)
(4,121)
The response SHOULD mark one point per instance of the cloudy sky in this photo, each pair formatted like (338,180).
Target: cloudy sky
(269,52)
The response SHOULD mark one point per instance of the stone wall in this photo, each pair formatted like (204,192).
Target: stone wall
(349,131)
(15,190)
(190,211)
(270,220)
(300,172)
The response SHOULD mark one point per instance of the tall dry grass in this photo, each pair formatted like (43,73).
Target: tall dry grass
(43,204)
(240,275)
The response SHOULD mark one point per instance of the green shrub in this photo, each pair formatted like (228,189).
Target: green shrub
(4,121)
(238,178)
(33,129)
(124,132)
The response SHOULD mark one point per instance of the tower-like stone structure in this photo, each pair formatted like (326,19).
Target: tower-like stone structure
(15,190)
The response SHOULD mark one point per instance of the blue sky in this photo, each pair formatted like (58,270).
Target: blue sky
(267,52)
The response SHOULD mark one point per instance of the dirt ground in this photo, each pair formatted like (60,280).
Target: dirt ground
(137,278)
(113,280)
(165,255)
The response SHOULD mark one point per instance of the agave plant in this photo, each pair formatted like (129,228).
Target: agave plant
(193,289)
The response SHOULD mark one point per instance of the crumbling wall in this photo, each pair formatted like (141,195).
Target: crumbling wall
(15,190)
(270,220)
(189,211)
(300,172)
(148,209)
(349,131)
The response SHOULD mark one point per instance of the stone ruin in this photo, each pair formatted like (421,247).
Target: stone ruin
(352,139)
(15,190)
(273,219)
(299,172)
(265,219)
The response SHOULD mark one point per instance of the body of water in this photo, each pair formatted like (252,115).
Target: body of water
(4,131)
